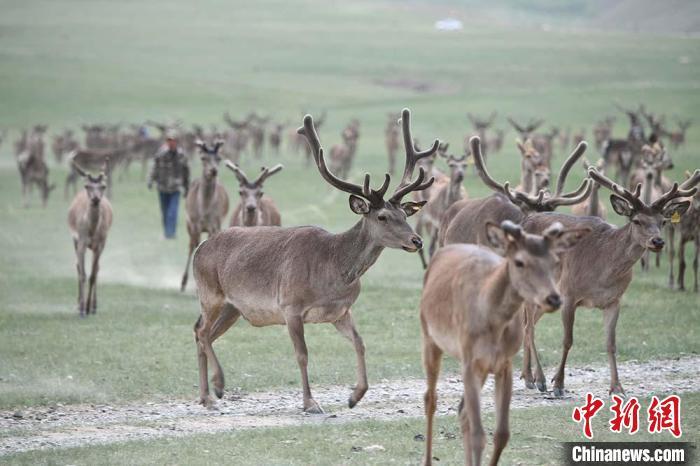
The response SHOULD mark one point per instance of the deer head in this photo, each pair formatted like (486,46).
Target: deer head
(457,166)
(95,185)
(385,219)
(544,201)
(252,192)
(532,259)
(210,158)
(647,219)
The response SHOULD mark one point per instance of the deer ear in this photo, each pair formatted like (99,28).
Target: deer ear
(358,205)
(620,206)
(675,208)
(567,239)
(411,207)
(496,237)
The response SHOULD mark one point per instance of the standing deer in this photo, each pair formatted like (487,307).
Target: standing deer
(63,144)
(93,159)
(469,310)
(275,137)
(391,139)
(343,154)
(206,204)
(689,227)
(495,143)
(602,131)
(33,170)
(598,270)
(254,209)
(89,220)
(293,276)
(442,196)
(677,138)
(592,206)
(480,126)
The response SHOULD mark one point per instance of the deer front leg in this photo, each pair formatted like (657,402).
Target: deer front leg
(695,262)
(295,326)
(346,326)
(503,393)
(80,265)
(681,264)
(568,311)
(528,324)
(473,435)
(92,289)
(671,254)
(432,356)
(610,314)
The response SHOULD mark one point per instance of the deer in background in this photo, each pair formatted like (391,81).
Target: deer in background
(598,270)
(33,170)
(470,310)
(93,159)
(293,276)
(256,129)
(343,154)
(534,169)
(206,203)
(391,139)
(254,209)
(275,137)
(238,137)
(495,142)
(89,220)
(63,144)
(689,227)
(602,131)
(480,126)
(525,130)
(677,138)
(578,137)
(442,195)
(592,207)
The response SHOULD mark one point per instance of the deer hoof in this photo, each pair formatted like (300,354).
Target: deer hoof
(529,384)
(542,386)
(311,407)
(356,396)
(207,402)
(618,390)
(219,392)
(559,392)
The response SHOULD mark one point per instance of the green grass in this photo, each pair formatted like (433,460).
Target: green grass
(536,437)
(72,62)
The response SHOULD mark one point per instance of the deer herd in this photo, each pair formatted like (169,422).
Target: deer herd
(493,267)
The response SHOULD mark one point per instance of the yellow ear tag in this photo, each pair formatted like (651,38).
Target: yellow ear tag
(470,161)
(676,217)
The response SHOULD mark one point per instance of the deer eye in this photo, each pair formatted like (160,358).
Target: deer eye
(519,263)
(381,218)
(636,222)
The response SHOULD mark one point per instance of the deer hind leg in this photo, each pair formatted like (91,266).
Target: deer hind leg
(681,264)
(503,393)
(568,312)
(432,357)
(92,290)
(295,327)
(212,309)
(540,380)
(80,265)
(194,242)
(610,315)
(473,435)
(229,315)
(346,326)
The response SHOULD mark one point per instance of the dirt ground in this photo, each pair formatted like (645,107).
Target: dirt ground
(63,426)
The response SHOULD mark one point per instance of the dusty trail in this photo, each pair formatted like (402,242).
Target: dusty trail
(78,425)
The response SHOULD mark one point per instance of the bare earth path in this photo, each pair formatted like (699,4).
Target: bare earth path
(78,425)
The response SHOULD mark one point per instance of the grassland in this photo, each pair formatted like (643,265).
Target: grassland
(72,62)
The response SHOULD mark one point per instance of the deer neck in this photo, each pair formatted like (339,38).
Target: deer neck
(625,251)
(355,251)
(93,218)
(207,191)
(453,192)
(502,300)
(526,177)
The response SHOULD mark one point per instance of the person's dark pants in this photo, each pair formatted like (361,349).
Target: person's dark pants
(169,203)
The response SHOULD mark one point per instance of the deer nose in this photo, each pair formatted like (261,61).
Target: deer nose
(250,208)
(417,242)
(657,242)
(553,300)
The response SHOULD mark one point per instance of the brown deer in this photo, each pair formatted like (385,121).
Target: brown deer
(254,209)
(470,310)
(677,138)
(463,221)
(206,204)
(63,144)
(342,155)
(33,170)
(602,131)
(495,142)
(578,137)
(93,159)
(89,220)
(689,227)
(592,206)
(293,276)
(534,168)
(598,270)
(275,137)
(480,126)
(442,196)
(391,139)
(525,130)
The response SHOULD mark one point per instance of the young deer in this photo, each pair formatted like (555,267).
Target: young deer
(254,209)
(293,276)
(597,272)
(592,206)
(89,220)
(206,203)
(470,310)
(689,227)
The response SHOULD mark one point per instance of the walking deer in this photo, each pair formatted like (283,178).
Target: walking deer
(253,209)
(598,270)
(206,203)
(89,220)
(592,206)
(470,310)
(689,227)
(293,276)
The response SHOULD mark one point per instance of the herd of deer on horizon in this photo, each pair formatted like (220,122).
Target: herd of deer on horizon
(488,258)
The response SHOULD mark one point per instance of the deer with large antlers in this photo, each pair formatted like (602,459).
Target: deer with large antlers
(597,272)
(462,223)
(442,195)
(206,204)
(470,310)
(253,209)
(89,220)
(293,276)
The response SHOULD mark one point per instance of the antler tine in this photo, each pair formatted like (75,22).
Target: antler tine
(566,166)
(515,125)
(412,156)
(576,197)
(240,174)
(416,185)
(217,145)
(673,193)
(267,172)
(692,181)
(631,197)
(309,131)
(534,124)
(77,167)
(475,144)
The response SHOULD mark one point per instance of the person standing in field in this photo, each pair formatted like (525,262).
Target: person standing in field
(171,174)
